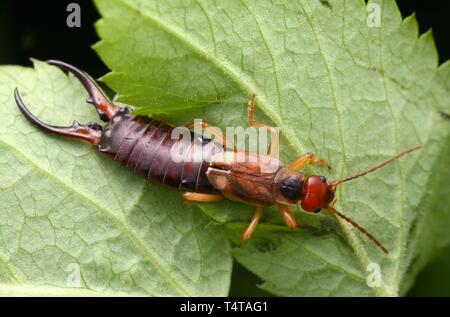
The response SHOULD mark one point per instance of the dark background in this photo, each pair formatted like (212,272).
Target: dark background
(38,29)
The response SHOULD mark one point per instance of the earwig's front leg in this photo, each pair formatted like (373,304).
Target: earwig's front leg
(203,198)
(288,217)
(308,158)
(274,140)
(252,225)
(216,132)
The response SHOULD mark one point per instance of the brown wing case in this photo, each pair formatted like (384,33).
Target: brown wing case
(245,177)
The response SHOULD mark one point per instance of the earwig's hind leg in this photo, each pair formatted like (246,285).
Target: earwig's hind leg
(308,158)
(105,108)
(274,140)
(252,225)
(216,132)
(90,132)
(203,198)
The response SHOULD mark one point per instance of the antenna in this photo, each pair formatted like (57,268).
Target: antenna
(335,183)
(359,227)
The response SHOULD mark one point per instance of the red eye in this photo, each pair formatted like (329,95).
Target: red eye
(317,194)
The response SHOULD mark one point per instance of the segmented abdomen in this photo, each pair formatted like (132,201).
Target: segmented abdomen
(146,147)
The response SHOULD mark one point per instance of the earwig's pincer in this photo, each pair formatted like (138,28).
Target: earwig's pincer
(90,132)
(106,110)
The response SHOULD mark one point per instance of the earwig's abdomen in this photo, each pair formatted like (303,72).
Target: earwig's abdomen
(147,148)
(197,159)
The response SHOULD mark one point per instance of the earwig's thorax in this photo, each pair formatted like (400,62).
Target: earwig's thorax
(288,186)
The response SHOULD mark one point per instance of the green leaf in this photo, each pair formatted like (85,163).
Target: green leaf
(64,208)
(352,94)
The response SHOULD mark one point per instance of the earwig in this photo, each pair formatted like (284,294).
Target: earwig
(207,169)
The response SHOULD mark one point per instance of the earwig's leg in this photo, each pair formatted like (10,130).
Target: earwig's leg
(216,132)
(288,216)
(274,140)
(308,158)
(90,132)
(105,108)
(203,198)
(252,225)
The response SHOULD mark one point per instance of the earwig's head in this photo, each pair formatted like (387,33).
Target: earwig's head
(317,193)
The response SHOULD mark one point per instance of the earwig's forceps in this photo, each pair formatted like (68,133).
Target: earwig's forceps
(91,131)
(106,110)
